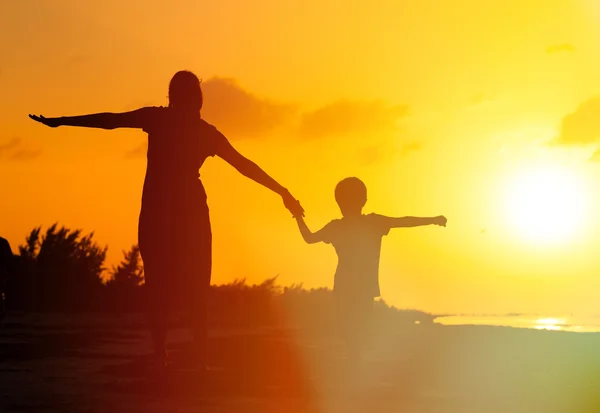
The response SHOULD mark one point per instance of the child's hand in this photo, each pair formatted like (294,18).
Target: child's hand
(293,205)
(440,220)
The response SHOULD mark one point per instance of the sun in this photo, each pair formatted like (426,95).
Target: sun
(546,204)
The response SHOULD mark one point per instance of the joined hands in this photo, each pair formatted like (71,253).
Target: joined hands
(293,205)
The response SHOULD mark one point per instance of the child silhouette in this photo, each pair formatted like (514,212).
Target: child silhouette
(357,241)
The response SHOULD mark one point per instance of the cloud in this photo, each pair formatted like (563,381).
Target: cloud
(240,114)
(373,154)
(234,111)
(344,118)
(25,155)
(581,127)
(558,48)
(13,150)
(372,120)
(13,143)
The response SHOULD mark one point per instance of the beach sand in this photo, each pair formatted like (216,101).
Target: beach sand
(98,363)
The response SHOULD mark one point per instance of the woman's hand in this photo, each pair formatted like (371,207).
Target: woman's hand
(52,122)
(292,204)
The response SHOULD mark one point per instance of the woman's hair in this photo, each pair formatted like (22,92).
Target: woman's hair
(185,90)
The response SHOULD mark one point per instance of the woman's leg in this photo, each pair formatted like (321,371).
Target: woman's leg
(199,328)
(156,293)
(156,314)
(198,290)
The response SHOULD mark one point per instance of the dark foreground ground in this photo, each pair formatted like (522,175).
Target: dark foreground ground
(96,363)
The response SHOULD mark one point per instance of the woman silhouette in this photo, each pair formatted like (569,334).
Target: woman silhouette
(174,229)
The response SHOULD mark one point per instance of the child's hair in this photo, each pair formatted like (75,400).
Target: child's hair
(351,192)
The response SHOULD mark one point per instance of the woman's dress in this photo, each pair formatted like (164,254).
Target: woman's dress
(174,230)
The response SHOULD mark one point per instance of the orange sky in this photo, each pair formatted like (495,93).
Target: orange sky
(440,107)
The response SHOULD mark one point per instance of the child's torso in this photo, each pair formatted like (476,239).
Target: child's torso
(358,244)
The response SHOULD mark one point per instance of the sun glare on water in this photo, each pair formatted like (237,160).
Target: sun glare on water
(546,204)
(549,324)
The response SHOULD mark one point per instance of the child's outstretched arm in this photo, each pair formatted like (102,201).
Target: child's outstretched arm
(307,234)
(404,222)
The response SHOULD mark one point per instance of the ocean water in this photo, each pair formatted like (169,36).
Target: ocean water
(536,322)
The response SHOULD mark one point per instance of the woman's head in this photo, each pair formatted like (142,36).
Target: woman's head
(185,91)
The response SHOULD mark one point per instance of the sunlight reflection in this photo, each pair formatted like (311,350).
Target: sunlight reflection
(572,324)
(554,324)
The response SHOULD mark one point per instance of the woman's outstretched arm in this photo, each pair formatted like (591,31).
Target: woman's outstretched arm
(251,170)
(107,120)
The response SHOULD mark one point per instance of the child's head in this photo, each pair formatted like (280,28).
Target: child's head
(351,196)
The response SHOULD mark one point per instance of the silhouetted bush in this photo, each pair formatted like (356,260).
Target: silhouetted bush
(62,271)
(123,292)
